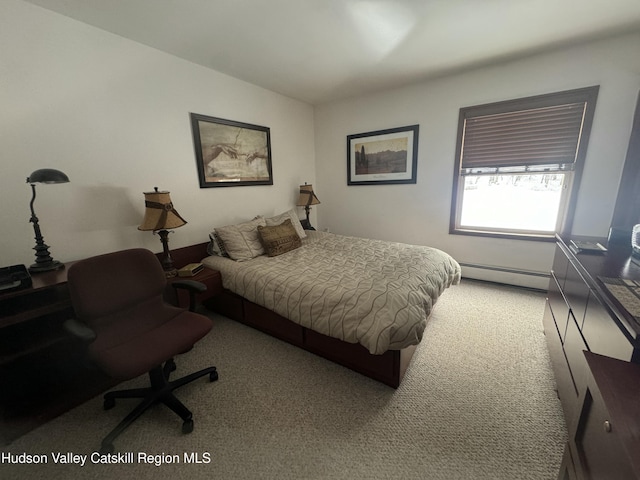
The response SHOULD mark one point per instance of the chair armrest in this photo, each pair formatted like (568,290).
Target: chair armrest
(193,286)
(80,330)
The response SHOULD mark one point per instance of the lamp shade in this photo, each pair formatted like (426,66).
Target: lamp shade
(159,213)
(47,175)
(44,261)
(307,197)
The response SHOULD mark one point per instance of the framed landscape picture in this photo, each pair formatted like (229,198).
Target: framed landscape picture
(230,153)
(383,157)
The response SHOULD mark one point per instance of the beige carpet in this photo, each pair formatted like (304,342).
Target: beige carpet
(478,402)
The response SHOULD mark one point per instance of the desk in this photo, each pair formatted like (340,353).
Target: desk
(43,369)
(47,294)
(28,316)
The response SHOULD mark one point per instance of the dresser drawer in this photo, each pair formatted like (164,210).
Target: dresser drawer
(602,334)
(597,445)
(558,306)
(574,345)
(560,265)
(576,292)
(603,433)
(564,381)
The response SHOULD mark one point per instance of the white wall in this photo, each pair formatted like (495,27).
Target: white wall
(114,116)
(420,213)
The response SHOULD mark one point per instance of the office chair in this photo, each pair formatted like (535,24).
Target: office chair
(120,309)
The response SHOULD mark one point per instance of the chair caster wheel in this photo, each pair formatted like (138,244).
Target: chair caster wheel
(109,403)
(187,426)
(106,448)
(170,366)
(213,376)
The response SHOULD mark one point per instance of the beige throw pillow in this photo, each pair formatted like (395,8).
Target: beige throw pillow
(295,221)
(242,241)
(279,239)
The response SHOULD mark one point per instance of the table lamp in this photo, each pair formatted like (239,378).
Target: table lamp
(306,199)
(44,262)
(160,216)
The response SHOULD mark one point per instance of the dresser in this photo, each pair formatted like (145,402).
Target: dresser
(604,435)
(581,315)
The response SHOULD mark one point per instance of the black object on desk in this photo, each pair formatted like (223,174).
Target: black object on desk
(15,277)
(582,246)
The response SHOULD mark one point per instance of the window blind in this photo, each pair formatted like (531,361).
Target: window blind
(538,136)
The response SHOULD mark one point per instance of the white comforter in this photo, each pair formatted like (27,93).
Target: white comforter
(372,292)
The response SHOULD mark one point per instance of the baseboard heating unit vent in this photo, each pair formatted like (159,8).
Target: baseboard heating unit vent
(506,275)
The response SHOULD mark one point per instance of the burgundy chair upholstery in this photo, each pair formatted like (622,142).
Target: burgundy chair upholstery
(119,296)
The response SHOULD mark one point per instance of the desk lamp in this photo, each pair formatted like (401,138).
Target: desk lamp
(44,262)
(160,216)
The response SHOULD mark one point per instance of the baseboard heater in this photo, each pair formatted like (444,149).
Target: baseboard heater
(505,270)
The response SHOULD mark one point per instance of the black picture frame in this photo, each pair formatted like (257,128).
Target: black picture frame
(230,153)
(383,157)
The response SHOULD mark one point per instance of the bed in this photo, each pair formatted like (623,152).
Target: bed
(362,303)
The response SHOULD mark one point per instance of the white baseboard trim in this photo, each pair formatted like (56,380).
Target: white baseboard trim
(509,276)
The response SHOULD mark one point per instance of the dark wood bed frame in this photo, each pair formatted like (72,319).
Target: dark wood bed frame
(388,368)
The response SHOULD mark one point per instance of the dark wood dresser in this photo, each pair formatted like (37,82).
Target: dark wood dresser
(604,437)
(581,315)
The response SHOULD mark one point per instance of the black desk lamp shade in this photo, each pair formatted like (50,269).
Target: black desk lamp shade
(44,262)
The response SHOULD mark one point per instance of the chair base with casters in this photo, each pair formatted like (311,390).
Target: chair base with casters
(121,312)
(160,391)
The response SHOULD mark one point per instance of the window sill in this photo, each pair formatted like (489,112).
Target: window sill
(551,237)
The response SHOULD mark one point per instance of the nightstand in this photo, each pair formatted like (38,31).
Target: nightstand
(306,225)
(211,278)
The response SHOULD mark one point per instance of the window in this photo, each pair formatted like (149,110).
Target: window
(518,165)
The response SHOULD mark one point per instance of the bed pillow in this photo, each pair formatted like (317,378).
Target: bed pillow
(295,221)
(241,241)
(279,239)
(216,245)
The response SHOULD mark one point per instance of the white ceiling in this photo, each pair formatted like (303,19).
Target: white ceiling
(322,50)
